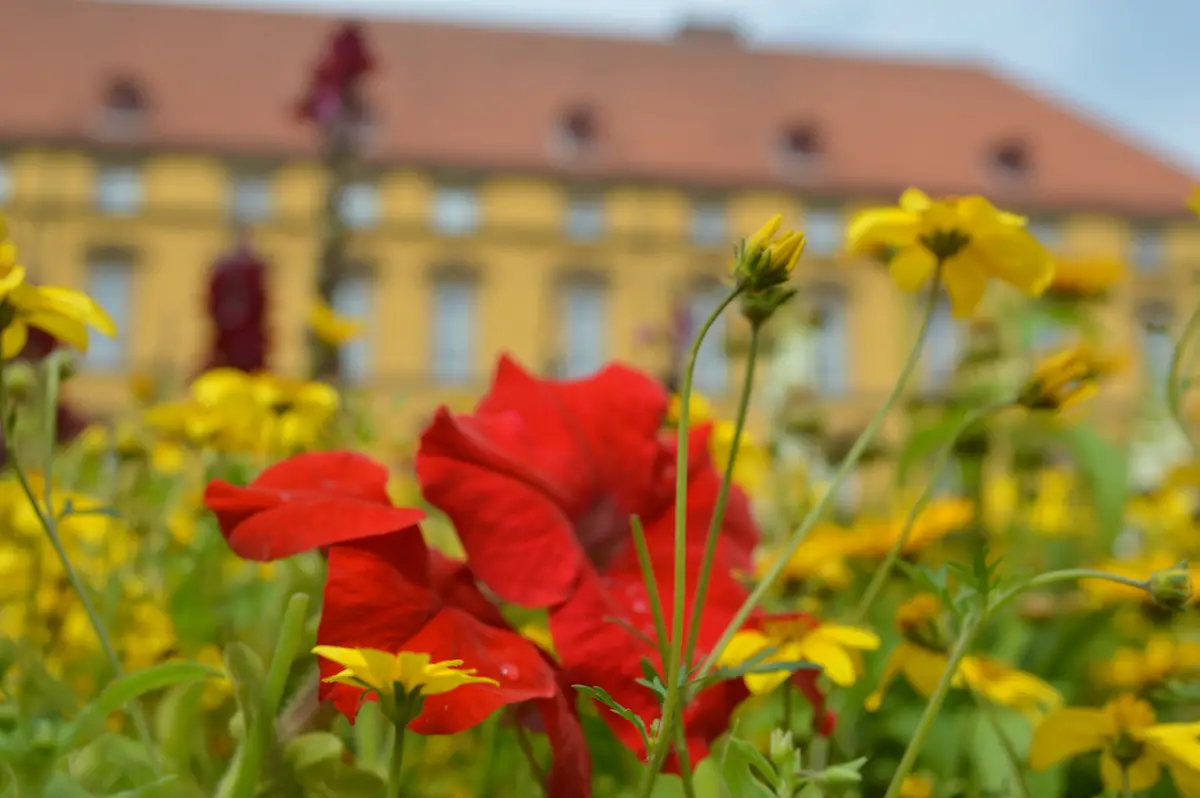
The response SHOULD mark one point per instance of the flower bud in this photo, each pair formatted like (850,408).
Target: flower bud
(1172,587)
(838,776)
(783,751)
(764,261)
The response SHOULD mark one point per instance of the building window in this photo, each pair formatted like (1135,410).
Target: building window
(1046,231)
(1011,160)
(712,362)
(455,210)
(454,329)
(124,109)
(708,223)
(6,182)
(823,231)
(943,344)
(575,134)
(251,198)
(1157,346)
(1148,248)
(800,146)
(110,284)
(585,218)
(832,353)
(359,205)
(353,299)
(584,320)
(119,190)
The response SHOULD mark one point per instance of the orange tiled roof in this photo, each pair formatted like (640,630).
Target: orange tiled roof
(704,113)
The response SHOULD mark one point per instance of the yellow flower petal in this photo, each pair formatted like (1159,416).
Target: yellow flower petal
(13,339)
(966,282)
(1143,774)
(1066,733)
(911,267)
(834,659)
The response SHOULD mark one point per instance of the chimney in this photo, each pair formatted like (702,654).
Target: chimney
(708,32)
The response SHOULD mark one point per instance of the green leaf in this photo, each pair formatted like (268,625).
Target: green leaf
(601,695)
(742,765)
(313,750)
(166,787)
(356,783)
(176,718)
(63,786)
(924,444)
(112,761)
(249,679)
(1105,470)
(90,720)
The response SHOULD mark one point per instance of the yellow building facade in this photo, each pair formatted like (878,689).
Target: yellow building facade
(522,254)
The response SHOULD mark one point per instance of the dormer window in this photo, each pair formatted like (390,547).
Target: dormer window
(800,146)
(575,133)
(1011,160)
(124,111)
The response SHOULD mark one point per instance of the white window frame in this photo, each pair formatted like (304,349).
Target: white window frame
(359,205)
(455,210)
(712,362)
(824,230)
(354,298)
(252,197)
(832,350)
(584,318)
(119,190)
(448,366)
(709,223)
(585,218)
(110,354)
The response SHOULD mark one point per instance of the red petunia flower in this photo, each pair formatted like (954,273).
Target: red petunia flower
(541,481)
(386,590)
(305,503)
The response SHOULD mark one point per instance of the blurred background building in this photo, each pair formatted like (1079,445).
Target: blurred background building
(559,197)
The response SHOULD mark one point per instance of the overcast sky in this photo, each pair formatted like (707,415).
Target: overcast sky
(1136,64)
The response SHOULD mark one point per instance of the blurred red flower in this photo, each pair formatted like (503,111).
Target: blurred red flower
(385,589)
(541,481)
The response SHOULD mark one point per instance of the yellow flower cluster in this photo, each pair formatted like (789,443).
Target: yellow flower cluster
(37,602)
(229,410)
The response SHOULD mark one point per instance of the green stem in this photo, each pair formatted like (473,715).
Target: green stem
(1014,759)
(656,609)
(396,766)
(1066,575)
(848,463)
(670,710)
(1175,381)
(527,751)
(933,707)
(258,738)
(714,524)
(879,579)
(685,762)
(48,520)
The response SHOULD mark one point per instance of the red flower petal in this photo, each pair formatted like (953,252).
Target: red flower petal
(455,585)
(498,654)
(305,503)
(519,540)
(571,773)
(346,474)
(378,595)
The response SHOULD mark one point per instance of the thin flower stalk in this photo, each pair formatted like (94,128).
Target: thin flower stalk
(767,583)
(1175,379)
(44,512)
(672,668)
(879,579)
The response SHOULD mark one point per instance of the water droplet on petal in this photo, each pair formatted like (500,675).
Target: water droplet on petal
(509,671)
(639,606)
